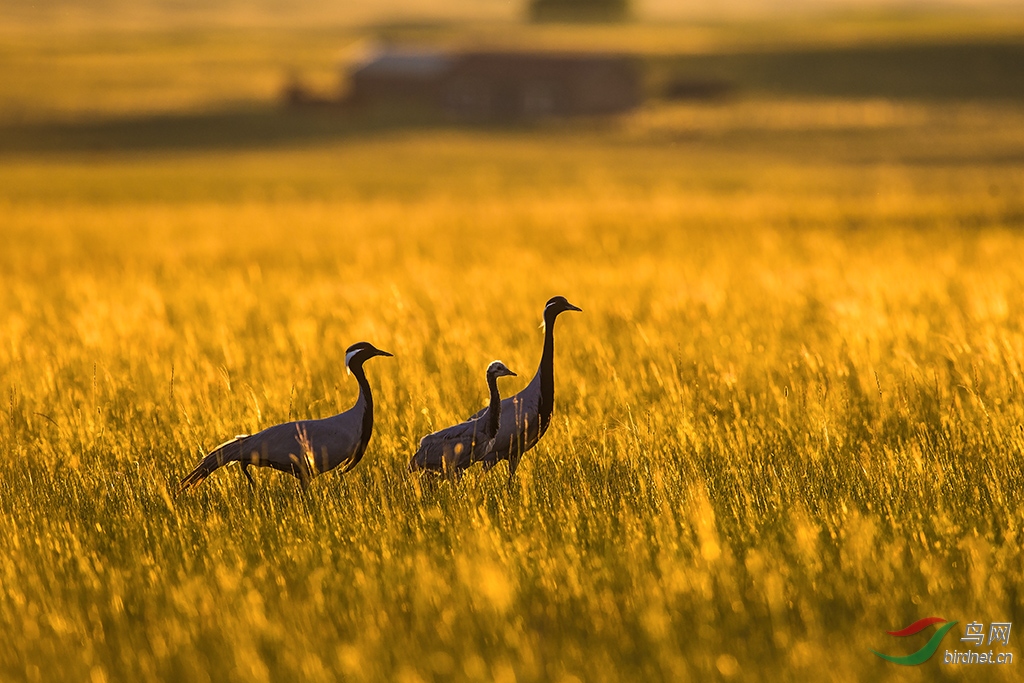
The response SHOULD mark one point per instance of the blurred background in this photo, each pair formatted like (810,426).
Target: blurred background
(67,61)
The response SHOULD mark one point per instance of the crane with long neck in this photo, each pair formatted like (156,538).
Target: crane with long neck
(303,448)
(455,448)
(526,416)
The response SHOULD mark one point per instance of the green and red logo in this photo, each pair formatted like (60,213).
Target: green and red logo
(929,648)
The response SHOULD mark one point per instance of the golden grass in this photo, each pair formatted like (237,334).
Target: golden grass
(788,420)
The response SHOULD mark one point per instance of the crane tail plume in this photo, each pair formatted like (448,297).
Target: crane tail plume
(434,457)
(201,471)
(426,461)
(216,459)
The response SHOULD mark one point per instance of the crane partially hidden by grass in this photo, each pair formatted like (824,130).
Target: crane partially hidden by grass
(453,449)
(305,448)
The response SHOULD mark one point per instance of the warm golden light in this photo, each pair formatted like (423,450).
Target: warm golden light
(787,420)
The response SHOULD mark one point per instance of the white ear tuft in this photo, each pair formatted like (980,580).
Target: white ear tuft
(348,356)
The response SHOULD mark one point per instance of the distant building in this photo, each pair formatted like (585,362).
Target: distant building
(579,10)
(499,85)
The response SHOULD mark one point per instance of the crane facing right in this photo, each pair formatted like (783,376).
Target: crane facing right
(526,416)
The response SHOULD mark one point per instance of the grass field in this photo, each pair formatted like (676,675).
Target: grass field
(790,418)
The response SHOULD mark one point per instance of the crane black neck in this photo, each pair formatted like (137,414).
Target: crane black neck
(494,410)
(356,368)
(547,370)
(366,396)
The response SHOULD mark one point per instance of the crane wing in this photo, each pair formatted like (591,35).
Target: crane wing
(451,448)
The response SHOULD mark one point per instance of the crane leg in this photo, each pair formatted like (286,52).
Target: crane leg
(245,471)
(302,474)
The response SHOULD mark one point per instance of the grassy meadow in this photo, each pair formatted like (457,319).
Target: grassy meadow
(790,417)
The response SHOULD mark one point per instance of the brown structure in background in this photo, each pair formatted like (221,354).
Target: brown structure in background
(499,85)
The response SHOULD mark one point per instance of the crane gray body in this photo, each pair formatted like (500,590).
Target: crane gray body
(526,415)
(455,448)
(303,448)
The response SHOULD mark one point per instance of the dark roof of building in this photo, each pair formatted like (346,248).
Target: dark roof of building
(413,64)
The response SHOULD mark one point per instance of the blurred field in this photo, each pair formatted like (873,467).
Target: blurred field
(84,75)
(789,419)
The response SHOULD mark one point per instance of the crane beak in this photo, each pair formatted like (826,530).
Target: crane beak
(570,307)
(385,353)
